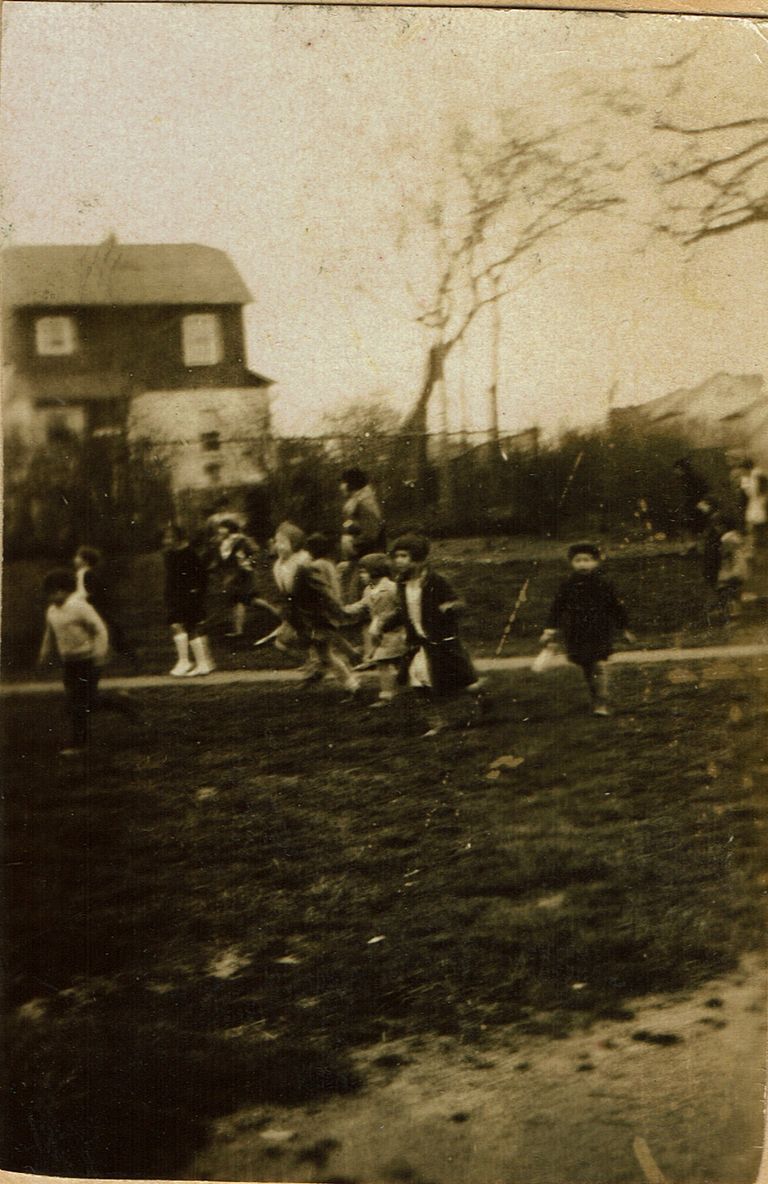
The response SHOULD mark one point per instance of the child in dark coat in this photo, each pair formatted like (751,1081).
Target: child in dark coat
(186,578)
(435,661)
(587,611)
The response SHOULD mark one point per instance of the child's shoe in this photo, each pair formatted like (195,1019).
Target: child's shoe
(601,709)
(204,663)
(181,669)
(183,664)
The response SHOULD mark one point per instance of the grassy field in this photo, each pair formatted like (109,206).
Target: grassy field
(667,599)
(220,916)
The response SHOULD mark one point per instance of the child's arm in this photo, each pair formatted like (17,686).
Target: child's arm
(98,630)
(556,613)
(358,610)
(46,646)
(449,601)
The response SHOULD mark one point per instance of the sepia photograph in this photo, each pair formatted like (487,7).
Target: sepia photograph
(384,594)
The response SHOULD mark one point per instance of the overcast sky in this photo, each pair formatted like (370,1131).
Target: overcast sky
(301,140)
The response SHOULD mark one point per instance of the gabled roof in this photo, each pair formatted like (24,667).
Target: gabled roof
(120,273)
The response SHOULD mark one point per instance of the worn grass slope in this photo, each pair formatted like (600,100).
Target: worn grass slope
(219,917)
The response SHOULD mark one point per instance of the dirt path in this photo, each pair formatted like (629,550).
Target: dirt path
(220,677)
(527,1110)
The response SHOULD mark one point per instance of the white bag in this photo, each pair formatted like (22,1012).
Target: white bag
(545,659)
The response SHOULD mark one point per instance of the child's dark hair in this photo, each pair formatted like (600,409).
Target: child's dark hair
(591,549)
(319,546)
(376,564)
(229,524)
(61,579)
(89,555)
(354,479)
(417,546)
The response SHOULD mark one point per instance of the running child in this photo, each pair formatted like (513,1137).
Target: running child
(235,555)
(77,633)
(94,585)
(435,662)
(310,609)
(378,604)
(587,611)
(186,579)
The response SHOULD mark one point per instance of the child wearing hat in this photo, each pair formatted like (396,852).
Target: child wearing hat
(378,604)
(435,662)
(587,611)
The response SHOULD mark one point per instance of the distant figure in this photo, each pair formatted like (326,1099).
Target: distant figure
(695,490)
(94,584)
(378,604)
(76,632)
(734,569)
(186,579)
(235,556)
(362,528)
(711,549)
(754,487)
(587,612)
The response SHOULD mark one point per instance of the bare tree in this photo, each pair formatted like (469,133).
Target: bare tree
(363,416)
(722,179)
(501,197)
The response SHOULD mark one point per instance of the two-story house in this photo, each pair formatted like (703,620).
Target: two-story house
(146,340)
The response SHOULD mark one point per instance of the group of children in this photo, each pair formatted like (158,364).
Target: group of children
(409,611)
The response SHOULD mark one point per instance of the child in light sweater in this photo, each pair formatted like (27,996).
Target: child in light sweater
(76,631)
(379,603)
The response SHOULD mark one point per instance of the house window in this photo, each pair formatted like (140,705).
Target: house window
(211,441)
(201,339)
(213,473)
(55,337)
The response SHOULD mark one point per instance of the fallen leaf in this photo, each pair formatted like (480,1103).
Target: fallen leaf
(507,762)
(373,940)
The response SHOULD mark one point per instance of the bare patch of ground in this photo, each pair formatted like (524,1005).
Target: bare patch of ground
(685,1074)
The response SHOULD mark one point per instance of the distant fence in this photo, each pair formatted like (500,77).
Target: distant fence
(109,492)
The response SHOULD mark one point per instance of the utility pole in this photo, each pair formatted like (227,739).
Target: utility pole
(493,388)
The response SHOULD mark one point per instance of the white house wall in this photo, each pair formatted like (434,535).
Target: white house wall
(177,422)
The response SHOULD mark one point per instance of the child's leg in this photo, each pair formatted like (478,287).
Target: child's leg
(77,687)
(596,674)
(204,663)
(341,668)
(238,619)
(181,642)
(436,715)
(387,681)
